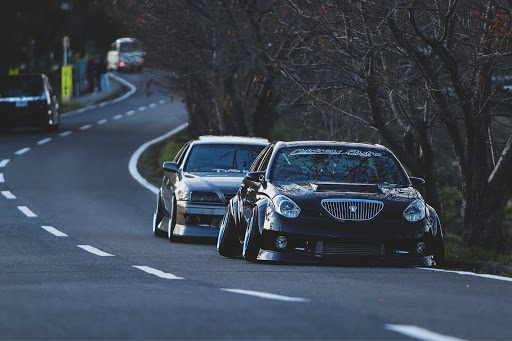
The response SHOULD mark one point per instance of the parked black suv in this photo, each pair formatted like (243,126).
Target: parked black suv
(28,100)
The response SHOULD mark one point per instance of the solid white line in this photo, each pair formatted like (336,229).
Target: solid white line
(103,121)
(130,113)
(27,211)
(420,333)
(152,105)
(4,163)
(85,127)
(22,151)
(54,231)
(8,195)
(102,104)
(142,108)
(66,133)
(43,141)
(132,166)
(2,179)
(501,278)
(156,272)
(117,117)
(267,295)
(94,250)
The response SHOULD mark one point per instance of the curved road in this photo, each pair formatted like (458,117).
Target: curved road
(78,259)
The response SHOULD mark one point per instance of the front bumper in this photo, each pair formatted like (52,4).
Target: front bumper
(198,219)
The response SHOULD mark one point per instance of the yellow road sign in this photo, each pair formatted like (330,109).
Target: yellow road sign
(67,82)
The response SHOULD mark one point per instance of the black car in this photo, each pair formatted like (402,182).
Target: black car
(28,100)
(330,201)
(196,187)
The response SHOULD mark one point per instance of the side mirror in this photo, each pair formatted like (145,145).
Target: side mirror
(170,167)
(417,182)
(255,176)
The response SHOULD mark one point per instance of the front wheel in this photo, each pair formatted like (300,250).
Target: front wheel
(252,241)
(172,220)
(228,244)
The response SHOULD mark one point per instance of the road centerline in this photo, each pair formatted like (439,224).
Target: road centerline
(420,333)
(44,141)
(156,272)
(85,127)
(26,211)
(22,151)
(54,231)
(4,163)
(267,295)
(2,178)
(8,195)
(94,250)
(66,133)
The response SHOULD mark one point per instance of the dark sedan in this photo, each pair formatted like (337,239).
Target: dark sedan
(197,185)
(28,100)
(330,201)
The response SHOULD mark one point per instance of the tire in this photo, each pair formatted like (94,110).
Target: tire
(157,217)
(228,244)
(172,220)
(252,240)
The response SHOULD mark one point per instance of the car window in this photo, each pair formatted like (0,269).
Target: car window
(338,164)
(132,46)
(18,86)
(221,158)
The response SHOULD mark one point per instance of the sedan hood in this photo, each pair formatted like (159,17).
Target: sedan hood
(217,184)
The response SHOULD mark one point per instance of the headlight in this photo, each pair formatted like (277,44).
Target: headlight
(415,211)
(204,196)
(286,207)
(183,195)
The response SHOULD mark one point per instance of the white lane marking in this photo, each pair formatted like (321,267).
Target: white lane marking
(27,211)
(420,333)
(267,295)
(117,117)
(8,195)
(142,108)
(103,121)
(101,105)
(130,113)
(152,105)
(156,272)
(66,133)
(132,166)
(501,278)
(162,101)
(4,163)
(94,250)
(85,127)
(2,179)
(54,231)
(43,141)
(22,151)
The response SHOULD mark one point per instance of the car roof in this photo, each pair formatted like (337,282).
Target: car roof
(283,144)
(123,40)
(213,139)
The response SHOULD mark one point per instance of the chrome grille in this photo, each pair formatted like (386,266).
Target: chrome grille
(353,249)
(350,209)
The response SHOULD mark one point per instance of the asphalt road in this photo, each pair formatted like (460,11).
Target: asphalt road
(110,278)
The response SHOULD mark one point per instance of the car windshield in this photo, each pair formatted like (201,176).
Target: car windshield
(338,165)
(221,158)
(19,86)
(132,46)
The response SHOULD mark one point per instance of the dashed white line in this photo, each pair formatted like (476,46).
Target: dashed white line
(94,250)
(162,101)
(2,179)
(420,333)
(54,231)
(8,195)
(117,117)
(156,272)
(22,151)
(501,278)
(4,163)
(267,295)
(152,105)
(130,113)
(25,210)
(103,121)
(66,133)
(85,127)
(142,108)
(43,141)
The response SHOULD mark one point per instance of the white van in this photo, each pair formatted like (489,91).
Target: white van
(125,54)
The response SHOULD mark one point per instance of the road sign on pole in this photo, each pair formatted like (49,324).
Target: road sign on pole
(67,82)
(65,46)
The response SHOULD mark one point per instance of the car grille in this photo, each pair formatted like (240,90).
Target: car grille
(353,249)
(349,209)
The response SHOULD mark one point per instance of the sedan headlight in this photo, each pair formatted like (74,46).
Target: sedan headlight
(286,207)
(183,195)
(415,211)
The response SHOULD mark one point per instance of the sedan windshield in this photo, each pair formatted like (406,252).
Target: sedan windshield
(338,165)
(221,158)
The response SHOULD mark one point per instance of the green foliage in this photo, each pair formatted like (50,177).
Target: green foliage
(457,251)
(65,107)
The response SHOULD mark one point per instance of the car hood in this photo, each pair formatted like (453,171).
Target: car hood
(211,183)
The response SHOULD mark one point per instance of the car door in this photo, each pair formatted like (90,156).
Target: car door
(171,179)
